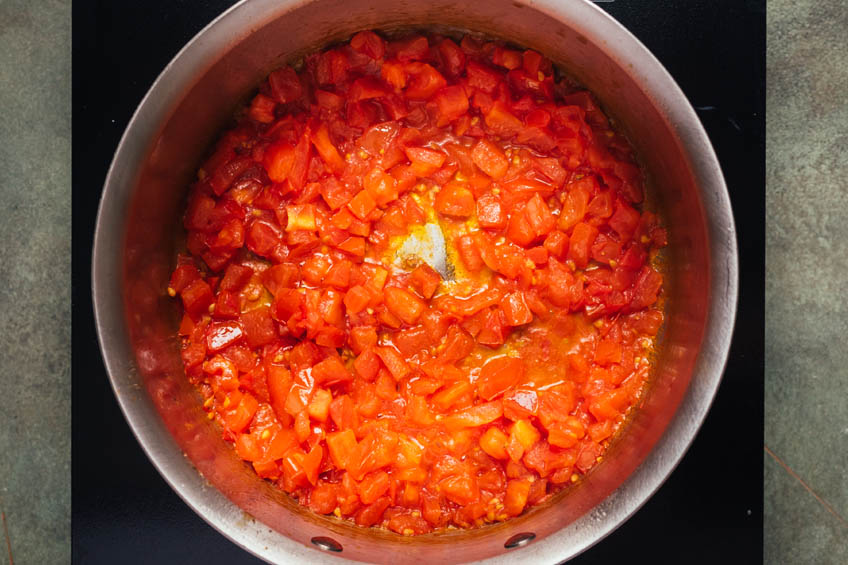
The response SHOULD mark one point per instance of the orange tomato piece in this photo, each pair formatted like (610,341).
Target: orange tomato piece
(455,200)
(403,304)
(475,416)
(498,375)
(490,158)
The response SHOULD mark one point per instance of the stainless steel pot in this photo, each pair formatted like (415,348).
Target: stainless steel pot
(140,210)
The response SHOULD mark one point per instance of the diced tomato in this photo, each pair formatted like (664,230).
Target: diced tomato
(259,328)
(482,77)
(323,499)
(579,245)
(451,103)
(329,100)
(539,216)
(223,334)
(452,57)
(425,280)
(507,58)
(362,204)
(285,85)
(424,81)
(339,274)
(394,74)
(575,204)
(475,416)
(501,121)
(515,309)
(300,217)
(330,371)
(369,43)
(425,161)
(394,362)
(278,277)
(262,109)
(454,199)
(197,297)
(416,48)
(469,253)
(556,243)
(279,161)
(342,446)
(493,442)
(499,374)
(350,374)
(354,246)
(490,212)
(326,149)
(520,230)
(624,220)
(403,304)
(237,419)
(490,159)
(367,364)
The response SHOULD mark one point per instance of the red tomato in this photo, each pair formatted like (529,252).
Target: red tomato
(455,199)
(498,375)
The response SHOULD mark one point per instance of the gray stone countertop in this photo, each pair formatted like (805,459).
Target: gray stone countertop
(806,348)
(35,281)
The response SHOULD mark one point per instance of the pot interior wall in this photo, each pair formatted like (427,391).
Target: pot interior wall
(227,71)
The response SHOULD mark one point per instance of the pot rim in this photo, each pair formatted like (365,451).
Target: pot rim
(201,52)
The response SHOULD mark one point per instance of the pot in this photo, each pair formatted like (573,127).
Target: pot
(137,230)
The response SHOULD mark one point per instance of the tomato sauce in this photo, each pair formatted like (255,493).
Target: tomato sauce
(355,375)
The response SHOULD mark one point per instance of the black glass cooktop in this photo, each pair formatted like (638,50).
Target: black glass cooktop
(709,511)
